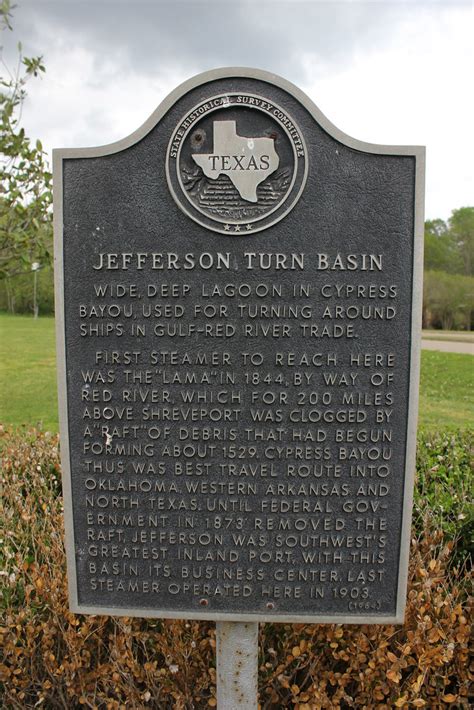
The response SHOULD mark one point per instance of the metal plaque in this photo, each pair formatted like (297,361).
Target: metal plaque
(238,291)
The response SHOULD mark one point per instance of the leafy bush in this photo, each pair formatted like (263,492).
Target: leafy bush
(445,488)
(56,659)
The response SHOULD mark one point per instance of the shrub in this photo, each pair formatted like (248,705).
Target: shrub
(445,489)
(56,659)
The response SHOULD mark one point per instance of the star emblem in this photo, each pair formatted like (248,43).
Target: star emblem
(237,227)
(249,226)
(226,227)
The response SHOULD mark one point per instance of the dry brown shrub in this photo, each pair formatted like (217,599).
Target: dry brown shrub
(424,663)
(55,659)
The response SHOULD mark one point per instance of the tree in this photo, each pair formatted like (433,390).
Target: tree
(441,251)
(447,300)
(25,180)
(461,228)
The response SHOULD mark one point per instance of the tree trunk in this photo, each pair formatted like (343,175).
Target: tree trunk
(10,296)
(447,321)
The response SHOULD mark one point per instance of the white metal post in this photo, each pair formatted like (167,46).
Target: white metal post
(237,665)
(34,267)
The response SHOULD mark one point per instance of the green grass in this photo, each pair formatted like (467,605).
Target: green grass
(28,379)
(446,390)
(28,372)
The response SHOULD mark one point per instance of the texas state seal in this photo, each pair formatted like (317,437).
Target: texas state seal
(236,163)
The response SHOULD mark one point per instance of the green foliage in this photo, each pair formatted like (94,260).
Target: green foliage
(440,250)
(449,246)
(461,227)
(25,181)
(445,487)
(16,295)
(447,300)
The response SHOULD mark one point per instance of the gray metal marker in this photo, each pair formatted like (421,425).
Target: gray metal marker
(342,204)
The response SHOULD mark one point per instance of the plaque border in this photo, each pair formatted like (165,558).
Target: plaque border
(418,153)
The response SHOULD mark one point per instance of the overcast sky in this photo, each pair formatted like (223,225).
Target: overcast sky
(395,72)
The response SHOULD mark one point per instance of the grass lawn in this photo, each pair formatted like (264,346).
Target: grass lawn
(28,372)
(446,390)
(28,379)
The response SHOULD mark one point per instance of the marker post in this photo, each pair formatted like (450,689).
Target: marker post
(237,665)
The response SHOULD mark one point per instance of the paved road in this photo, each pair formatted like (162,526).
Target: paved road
(448,346)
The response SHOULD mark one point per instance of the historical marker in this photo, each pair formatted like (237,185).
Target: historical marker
(238,304)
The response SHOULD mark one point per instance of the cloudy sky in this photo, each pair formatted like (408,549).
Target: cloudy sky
(395,72)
